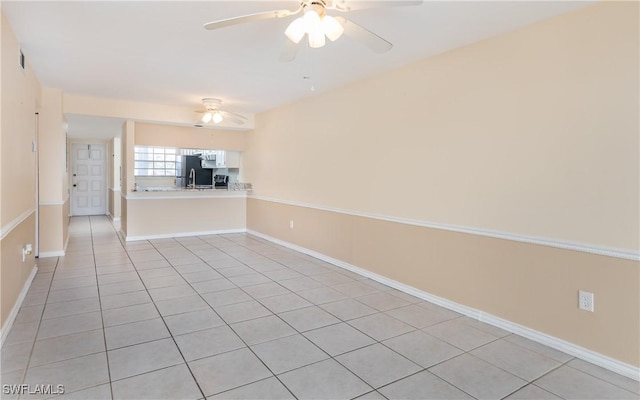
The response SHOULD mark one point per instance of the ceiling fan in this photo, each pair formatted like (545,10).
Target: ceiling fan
(317,24)
(213,114)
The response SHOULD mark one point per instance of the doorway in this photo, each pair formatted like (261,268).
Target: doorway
(88,179)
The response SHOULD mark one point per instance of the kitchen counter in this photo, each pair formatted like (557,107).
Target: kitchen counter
(183,189)
(163,212)
(161,192)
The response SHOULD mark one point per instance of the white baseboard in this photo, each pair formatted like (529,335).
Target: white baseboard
(182,234)
(593,357)
(16,307)
(60,253)
(114,220)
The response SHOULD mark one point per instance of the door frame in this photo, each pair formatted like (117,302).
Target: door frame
(36,148)
(87,141)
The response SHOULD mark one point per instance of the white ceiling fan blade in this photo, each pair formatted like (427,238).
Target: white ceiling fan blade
(290,51)
(352,5)
(248,18)
(237,118)
(365,36)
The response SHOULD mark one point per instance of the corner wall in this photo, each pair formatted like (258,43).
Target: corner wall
(20,97)
(114,164)
(53,177)
(490,175)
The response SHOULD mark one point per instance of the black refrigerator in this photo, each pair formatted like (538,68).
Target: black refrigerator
(204,176)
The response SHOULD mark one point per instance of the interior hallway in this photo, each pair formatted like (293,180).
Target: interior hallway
(234,316)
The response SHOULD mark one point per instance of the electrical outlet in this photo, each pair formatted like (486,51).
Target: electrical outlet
(291,224)
(585,301)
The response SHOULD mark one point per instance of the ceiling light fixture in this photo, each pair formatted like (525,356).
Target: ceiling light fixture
(211,116)
(217,117)
(316,24)
(206,118)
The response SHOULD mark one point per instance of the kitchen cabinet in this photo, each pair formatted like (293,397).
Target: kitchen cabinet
(221,158)
(227,159)
(232,159)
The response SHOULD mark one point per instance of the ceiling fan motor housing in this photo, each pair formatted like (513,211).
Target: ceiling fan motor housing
(211,103)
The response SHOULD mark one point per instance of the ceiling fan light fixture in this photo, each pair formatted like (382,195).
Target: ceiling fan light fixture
(316,39)
(217,117)
(296,30)
(206,118)
(311,21)
(331,27)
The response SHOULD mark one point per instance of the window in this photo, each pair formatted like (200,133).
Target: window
(157,161)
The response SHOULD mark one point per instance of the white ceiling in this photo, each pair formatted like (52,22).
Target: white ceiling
(159,52)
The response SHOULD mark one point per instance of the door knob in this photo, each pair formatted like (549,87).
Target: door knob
(74,185)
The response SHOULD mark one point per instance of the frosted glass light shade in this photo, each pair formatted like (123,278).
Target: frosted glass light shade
(331,27)
(217,117)
(296,30)
(311,21)
(316,39)
(206,118)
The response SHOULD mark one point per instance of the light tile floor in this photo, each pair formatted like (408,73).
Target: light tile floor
(236,317)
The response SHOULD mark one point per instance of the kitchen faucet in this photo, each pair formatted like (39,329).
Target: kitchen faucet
(192,178)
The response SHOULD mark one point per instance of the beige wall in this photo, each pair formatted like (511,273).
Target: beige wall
(185,137)
(152,217)
(126,141)
(53,141)
(533,133)
(14,271)
(53,177)
(20,98)
(113,181)
(53,228)
(535,286)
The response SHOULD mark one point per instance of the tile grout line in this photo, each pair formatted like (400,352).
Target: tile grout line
(104,333)
(245,260)
(300,333)
(223,320)
(162,317)
(33,345)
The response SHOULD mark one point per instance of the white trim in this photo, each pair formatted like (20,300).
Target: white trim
(115,190)
(188,196)
(51,203)
(182,234)
(113,220)
(16,307)
(54,203)
(17,221)
(45,254)
(60,253)
(586,248)
(601,360)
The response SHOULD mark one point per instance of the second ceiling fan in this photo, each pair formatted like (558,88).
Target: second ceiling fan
(316,24)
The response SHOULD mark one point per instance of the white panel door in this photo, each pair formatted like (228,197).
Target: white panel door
(89,189)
